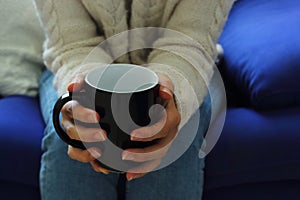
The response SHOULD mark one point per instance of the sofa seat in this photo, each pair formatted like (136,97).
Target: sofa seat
(255,147)
(21,131)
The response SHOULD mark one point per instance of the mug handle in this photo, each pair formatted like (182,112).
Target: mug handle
(56,122)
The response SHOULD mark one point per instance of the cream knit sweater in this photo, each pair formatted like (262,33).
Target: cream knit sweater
(21,39)
(75,27)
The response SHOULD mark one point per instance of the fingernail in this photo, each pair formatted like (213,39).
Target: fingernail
(127,156)
(133,176)
(137,139)
(73,87)
(166,93)
(130,178)
(95,153)
(133,137)
(166,90)
(104,171)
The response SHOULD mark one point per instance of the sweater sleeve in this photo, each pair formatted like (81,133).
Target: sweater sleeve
(71,34)
(186,54)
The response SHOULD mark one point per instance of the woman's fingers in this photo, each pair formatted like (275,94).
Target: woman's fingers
(149,157)
(89,155)
(161,129)
(170,116)
(163,133)
(82,133)
(154,152)
(74,110)
(85,156)
(150,133)
(142,170)
(98,168)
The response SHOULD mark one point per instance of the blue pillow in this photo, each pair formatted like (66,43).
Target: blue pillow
(21,132)
(261,42)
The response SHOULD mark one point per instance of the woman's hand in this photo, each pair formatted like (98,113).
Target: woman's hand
(72,111)
(163,132)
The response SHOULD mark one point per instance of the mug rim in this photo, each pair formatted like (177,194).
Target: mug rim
(133,66)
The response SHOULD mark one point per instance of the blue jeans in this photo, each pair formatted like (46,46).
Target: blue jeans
(64,178)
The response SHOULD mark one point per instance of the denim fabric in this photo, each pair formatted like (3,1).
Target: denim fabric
(64,178)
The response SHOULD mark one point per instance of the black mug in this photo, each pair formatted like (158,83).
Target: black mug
(123,95)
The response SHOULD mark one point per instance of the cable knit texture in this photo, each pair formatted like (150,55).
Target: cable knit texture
(75,27)
(21,39)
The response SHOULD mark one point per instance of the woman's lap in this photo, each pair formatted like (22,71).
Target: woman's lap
(64,178)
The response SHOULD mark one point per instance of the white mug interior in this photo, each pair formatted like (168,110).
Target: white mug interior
(122,78)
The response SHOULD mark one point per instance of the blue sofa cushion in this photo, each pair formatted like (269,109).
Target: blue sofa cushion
(21,131)
(255,147)
(277,190)
(262,51)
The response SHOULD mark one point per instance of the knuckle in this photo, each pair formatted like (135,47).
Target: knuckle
(79,156)
(84,158)
(67,109)
(164,134)
(71,131)
(71,153)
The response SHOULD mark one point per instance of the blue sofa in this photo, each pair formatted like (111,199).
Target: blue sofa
(20,147)
(257,155)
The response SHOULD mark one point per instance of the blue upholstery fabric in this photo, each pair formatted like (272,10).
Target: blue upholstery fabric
(21,130)
(255,147)
(262,51)
(276,190)
(16,191)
